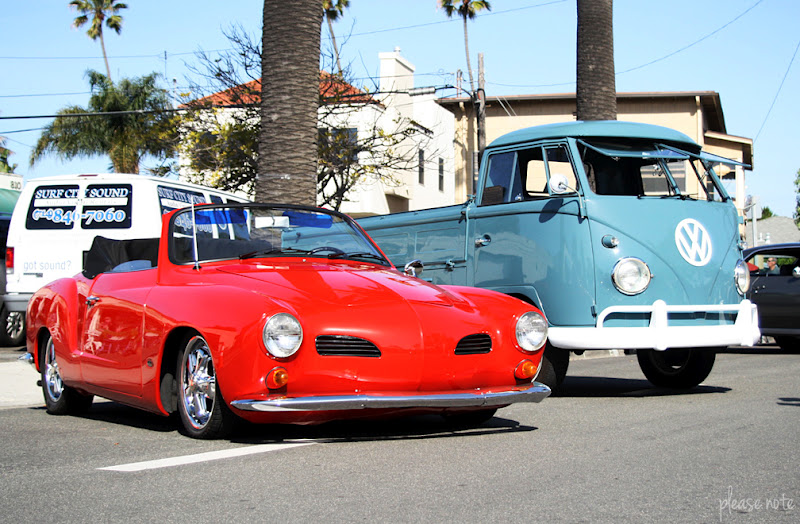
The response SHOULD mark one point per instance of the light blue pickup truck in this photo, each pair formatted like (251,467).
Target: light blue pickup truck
(620,232)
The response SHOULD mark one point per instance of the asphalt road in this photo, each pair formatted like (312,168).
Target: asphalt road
(609,448)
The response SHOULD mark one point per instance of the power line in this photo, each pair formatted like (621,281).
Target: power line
(779,91)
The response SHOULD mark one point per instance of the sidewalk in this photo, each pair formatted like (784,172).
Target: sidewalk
(18,385)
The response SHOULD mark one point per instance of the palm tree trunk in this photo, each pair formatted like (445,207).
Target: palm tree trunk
(105,56)
(596,92)
(469,64)
(335,47)
(287,146)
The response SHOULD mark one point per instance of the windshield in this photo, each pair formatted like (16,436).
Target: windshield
(247,231)
(643,168)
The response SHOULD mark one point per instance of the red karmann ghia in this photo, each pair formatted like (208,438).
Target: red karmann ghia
(275,314)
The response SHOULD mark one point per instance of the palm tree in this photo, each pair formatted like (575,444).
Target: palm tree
(131,124)
(100,11)
(332,9)
(466,9)
(5,167)
(287,152)
(596,91)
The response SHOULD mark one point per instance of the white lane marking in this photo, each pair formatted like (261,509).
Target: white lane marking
(203,457)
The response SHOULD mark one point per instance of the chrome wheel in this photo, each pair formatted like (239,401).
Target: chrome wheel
(15,327)
(198,383)
(53,386)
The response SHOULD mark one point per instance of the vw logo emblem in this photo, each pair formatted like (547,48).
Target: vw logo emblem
(693,242)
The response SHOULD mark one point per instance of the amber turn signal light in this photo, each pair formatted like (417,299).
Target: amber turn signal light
(277,378)
(526,370)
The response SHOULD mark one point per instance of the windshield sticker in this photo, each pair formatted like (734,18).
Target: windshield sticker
(53,207)
(107,206)
(693,242)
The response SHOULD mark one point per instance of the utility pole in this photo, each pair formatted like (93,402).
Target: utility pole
(479,99)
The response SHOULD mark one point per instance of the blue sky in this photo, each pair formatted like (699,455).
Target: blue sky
(743,49)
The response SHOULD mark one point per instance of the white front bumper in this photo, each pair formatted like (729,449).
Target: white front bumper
(659,334)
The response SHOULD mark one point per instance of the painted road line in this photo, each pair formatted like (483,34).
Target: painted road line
(203,457)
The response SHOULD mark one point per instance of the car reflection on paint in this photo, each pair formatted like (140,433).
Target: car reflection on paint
(275,314)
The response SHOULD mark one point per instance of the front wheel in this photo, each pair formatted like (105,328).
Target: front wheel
(555,363)
(59,399)
(12,330)
(676,368)
(203,412)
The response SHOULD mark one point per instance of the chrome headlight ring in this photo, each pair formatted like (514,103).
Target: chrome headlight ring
(531,331)
(631,276)
(741,276)
(282,335)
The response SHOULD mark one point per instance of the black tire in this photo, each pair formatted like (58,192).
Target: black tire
(59,399)
(555,363)
(676,368)
(202,410)
(12,328)
(789,344)
(469,418)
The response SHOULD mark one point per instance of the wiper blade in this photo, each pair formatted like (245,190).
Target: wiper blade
(267,252)
(364,254)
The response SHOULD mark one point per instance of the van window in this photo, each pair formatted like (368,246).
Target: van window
(53,207)
(107,206)
(171,198)
(523,175)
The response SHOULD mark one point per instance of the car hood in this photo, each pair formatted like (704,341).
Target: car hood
(342,284)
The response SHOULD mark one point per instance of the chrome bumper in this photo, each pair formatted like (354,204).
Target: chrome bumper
(535,392)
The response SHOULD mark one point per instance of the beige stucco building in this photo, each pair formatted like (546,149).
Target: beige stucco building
(696,114)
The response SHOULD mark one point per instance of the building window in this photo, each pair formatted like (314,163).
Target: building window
(441,174)
(421,167)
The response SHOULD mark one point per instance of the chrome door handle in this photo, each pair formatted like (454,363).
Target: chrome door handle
(485,240)
(90,301)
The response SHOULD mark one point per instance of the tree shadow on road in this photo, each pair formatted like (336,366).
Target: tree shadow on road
(578,386)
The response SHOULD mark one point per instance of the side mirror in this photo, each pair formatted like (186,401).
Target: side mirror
(414,268)
(558,184)
(796,272)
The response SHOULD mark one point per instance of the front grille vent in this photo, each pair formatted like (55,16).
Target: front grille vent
(474,345)
(346,346)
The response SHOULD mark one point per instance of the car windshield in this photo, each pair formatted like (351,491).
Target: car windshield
(643,168)
(246,231)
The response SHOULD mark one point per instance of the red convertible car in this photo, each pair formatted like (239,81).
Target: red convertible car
(275,314)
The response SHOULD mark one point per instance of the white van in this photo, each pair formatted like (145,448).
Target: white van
(56,219)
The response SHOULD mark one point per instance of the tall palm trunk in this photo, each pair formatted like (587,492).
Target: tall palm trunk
(335,47)
(287,146)
(596,91)
(105,56)
(469,64)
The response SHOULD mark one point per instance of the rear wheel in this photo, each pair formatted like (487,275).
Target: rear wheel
(555,363)
(203,412)
(12,328)
(676,368)
(59,399)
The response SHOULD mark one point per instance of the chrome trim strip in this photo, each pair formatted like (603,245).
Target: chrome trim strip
(536,392)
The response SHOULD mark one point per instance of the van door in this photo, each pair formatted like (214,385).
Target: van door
(526,239)
(113,331)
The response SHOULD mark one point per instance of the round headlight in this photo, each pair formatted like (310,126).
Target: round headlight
(631,276)
(282,335)
(531,331)
(741,275)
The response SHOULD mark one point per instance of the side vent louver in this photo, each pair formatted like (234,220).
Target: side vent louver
(474,345)
(346,346)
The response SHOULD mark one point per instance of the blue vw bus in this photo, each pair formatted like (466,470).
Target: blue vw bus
(620,232)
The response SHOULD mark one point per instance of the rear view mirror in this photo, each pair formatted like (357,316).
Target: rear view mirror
(558,184)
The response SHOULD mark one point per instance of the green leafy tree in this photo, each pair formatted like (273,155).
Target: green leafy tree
(125,121)
(467,10)
(332,10)
(100,11)
(5,166)
(219,145)
(766,212)
(797,198)
(596,91)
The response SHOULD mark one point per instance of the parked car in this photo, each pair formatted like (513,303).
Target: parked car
(12,323)
(275,314)
(775,289)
